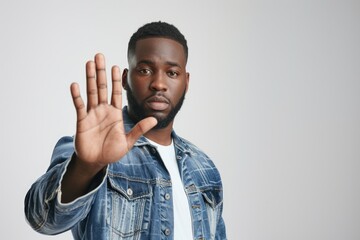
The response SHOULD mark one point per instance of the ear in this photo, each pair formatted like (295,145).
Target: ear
(124,78)
(187,81)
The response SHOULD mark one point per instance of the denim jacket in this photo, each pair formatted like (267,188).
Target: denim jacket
(132,200)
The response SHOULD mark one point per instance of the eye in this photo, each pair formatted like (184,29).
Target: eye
(144,71)
(173,74)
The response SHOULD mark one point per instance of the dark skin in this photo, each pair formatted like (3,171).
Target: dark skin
(157,77)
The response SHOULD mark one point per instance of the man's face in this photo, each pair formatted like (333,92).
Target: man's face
(157,80)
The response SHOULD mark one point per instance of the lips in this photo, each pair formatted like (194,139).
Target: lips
(157,103)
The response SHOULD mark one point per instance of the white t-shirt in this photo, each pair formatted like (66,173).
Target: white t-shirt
(182,217)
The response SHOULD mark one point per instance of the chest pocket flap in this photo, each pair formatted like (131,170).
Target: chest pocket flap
(130,188)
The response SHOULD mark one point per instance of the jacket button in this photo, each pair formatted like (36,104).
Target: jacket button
(167,196)
(167,232)
(129,191)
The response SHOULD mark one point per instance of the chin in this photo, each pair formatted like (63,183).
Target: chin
(158,115)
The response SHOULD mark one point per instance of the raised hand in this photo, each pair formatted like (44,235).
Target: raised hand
(100,136)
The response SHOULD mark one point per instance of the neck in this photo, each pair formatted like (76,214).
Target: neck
(161,136)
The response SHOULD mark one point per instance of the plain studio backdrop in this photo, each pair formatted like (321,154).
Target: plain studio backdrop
(274,99)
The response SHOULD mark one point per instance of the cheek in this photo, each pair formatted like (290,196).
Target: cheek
(138,88)
(181,87)
(178,92)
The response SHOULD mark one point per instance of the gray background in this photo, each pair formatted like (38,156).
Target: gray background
(274,99)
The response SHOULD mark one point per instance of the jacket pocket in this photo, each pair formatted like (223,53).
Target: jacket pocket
(130,207)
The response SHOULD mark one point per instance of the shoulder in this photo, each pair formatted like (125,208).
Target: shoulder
(199,162)
(192,148)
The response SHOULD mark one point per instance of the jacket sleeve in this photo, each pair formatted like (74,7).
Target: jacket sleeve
(220,229)
(43,209)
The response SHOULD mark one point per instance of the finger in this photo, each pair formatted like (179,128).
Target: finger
(91,88)
(101,78)
(78,102)
(116,94)
(140,129)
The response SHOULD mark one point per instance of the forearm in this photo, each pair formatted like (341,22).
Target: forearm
(40,201)
(80,179)
(43,208)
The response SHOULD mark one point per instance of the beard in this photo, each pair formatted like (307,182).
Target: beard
(139,112)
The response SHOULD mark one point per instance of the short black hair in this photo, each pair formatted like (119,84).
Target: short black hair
(157,29)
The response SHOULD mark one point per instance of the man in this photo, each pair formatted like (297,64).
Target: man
(126,174)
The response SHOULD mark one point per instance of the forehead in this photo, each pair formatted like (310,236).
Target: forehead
(159,49)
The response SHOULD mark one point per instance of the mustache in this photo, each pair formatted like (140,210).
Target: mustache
(158,97)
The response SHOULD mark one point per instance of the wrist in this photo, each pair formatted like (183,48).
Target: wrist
(84,168)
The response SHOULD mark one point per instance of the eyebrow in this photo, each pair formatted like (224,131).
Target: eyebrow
(149,62)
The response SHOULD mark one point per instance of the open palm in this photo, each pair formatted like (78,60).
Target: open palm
(100,136)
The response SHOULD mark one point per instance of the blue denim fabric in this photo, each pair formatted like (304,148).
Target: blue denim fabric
(129,203)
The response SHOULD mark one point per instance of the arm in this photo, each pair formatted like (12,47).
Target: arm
(100,135)
(76,165)
(220,229)
(42,200)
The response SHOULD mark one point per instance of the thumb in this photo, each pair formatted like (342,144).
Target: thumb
(139,129)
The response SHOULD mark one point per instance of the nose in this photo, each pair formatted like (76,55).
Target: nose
(158,82)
